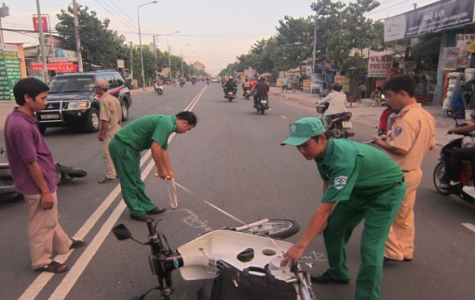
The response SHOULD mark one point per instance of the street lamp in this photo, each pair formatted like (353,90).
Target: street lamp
(191,62)
(140,42)
(181,51)
(169,54)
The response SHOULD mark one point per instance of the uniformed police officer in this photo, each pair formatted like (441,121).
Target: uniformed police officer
(366,184)
(411,137)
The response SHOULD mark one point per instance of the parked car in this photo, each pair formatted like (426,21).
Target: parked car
(72,101)
(214,79)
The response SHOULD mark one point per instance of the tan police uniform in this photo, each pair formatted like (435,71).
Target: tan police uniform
(414,131)
(111,111)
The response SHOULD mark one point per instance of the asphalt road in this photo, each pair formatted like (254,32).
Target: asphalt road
(233,160)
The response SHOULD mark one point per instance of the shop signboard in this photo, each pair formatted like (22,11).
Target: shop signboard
(345,82)
(431,18)
(462,41)
(9,73)
(378,65)
(57,67)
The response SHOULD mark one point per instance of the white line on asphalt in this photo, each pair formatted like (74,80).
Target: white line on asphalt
(284,117)
(469,226)
(40,282)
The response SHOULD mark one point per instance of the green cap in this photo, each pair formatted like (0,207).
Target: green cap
(302,130)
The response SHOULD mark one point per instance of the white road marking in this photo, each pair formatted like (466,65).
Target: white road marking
(91,248)
(469,226)
(284,117)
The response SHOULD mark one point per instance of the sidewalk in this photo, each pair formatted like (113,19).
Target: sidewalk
(364,113)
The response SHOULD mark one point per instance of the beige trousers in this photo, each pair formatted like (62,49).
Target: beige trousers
(400,243)
(44,231)
(106,157)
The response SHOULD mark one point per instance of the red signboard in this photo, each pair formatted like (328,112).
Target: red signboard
(57,67)
(44,23)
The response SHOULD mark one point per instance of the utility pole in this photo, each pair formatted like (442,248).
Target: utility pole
(76,35)
(42,43)
(314,44)
(155,55)
(131,63)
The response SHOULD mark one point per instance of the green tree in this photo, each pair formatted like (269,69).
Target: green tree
(101,46)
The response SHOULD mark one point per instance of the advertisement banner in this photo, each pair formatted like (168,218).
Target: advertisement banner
(378,65)
(431,18)
(450,58)
(345,81)
(57,67)
(44,23)
(462,41)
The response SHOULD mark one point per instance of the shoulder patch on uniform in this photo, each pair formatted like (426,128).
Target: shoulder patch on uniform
(340,182)
(397,131)
(402,113)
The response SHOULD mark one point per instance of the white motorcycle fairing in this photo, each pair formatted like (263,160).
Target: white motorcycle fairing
(201,254)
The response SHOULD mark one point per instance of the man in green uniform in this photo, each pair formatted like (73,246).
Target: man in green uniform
(149,132)
(359,182)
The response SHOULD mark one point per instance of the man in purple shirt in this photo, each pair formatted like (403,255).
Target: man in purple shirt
(34,175)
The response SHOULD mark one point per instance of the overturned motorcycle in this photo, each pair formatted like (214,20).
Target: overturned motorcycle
(242,264)
(7,187)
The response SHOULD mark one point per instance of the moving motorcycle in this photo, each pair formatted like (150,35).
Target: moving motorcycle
(211,255)
(7,187)
(262,104)
(230,95)
(466,175)
(248,93)
(340,124)
(158,88)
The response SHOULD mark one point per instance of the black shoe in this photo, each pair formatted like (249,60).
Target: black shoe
(156,211)
(325,278)
(455,188)
(141,218)
(386,259)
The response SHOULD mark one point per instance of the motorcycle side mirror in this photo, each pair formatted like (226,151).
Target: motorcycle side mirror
(121,232)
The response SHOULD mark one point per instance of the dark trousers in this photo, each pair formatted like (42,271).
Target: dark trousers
(455,162)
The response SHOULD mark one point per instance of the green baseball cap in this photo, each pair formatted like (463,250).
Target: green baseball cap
(304,129)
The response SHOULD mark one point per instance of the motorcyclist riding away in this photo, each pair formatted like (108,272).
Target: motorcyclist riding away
(261,90)
(246,85)
(230,85)
(337,102)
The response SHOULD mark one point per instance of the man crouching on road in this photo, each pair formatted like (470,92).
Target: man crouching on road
(149,132)
(359,182)
(34,175)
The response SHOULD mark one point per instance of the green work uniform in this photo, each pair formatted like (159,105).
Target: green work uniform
(125,152)
(367,184)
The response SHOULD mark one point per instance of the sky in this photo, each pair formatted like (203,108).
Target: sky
(213,32)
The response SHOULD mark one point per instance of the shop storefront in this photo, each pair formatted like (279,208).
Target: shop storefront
(428,31)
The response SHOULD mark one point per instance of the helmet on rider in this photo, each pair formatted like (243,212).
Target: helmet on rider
(337,86)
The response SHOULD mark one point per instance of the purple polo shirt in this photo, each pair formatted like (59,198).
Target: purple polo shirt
(25,144)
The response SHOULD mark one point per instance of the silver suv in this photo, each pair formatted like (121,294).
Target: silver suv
(72,101)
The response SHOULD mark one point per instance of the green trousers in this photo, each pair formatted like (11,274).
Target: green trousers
(378,212)
(127,164)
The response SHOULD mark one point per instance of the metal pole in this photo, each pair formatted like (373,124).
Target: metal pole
(140,43)
(42,42)
(169,59)
(131,63)
(314,44)
(76,35)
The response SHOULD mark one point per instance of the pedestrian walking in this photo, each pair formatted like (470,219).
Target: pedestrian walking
(34,174)
(111,117)
(412,135)
(285,81)
(149,132)
(359,182)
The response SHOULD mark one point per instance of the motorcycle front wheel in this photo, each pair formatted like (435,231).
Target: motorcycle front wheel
(439,171)
(68,173)
(275,228)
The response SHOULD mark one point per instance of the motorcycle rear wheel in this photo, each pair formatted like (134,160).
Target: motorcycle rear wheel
(68,173)
(275,228)
(439,171)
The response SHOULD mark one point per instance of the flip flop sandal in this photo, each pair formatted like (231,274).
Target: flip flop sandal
(53,267)
(105,180)
(76,244)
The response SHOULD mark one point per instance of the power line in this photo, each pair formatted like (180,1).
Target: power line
(385,8)
(127,25)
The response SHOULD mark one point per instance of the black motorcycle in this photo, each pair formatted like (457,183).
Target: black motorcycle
(262,104)
(340,124)
(466,173)
(7,187)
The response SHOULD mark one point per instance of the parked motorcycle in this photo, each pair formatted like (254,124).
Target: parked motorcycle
(466,175)
(158,88)
(208,256)
(182,83)
(340,124)
(7,187)
(262,104)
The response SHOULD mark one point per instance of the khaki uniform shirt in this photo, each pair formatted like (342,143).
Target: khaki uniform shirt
(414,131)
(111,111)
